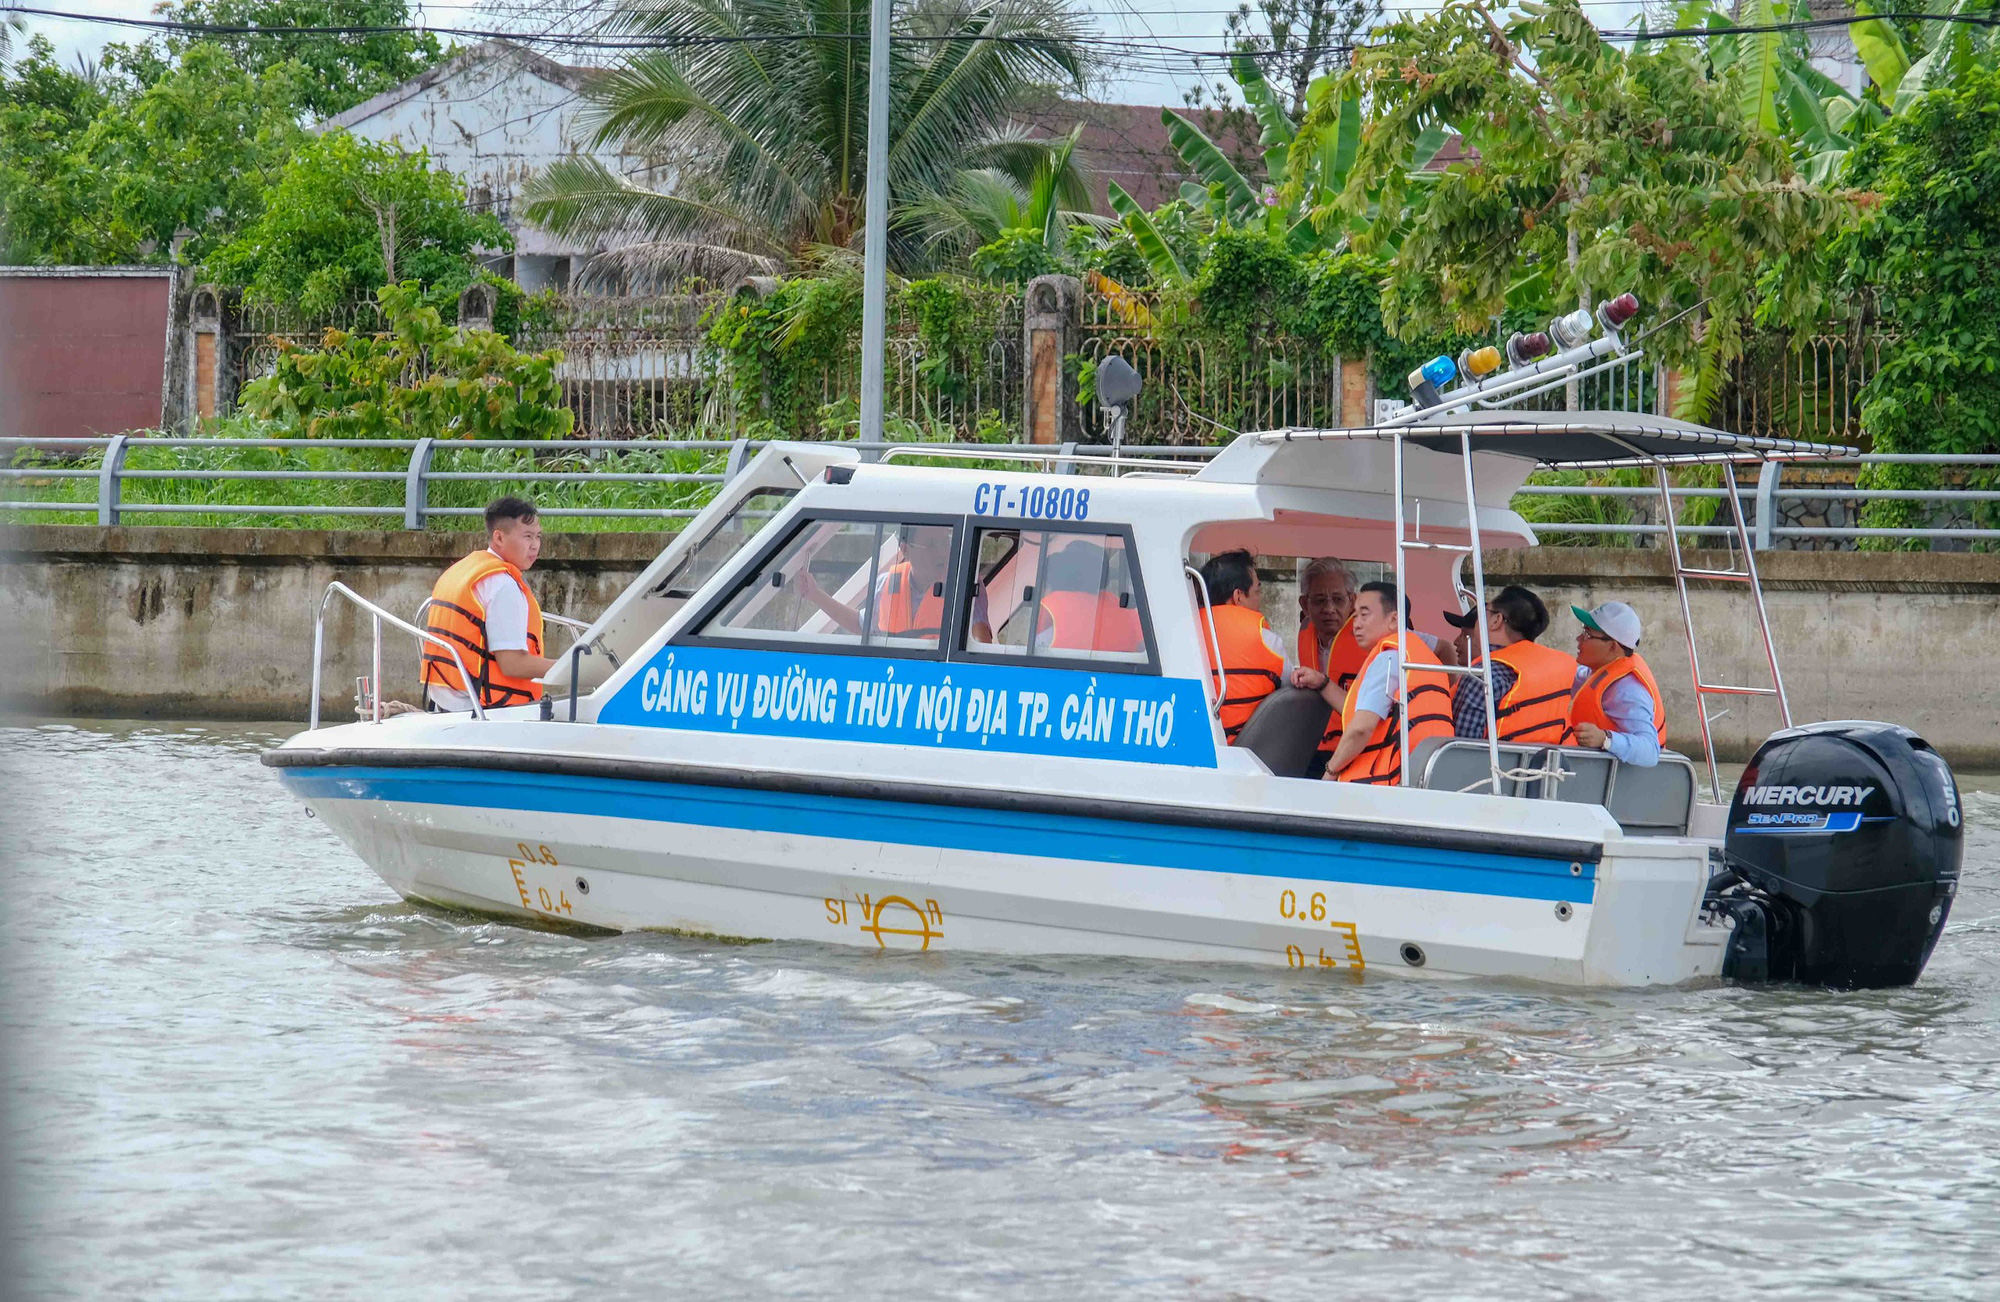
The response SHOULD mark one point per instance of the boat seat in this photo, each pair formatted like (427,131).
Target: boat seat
(1284,730)
(1656,800)
(1652,801)
(1456,763)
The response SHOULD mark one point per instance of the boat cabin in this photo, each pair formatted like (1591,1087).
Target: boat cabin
(1065,578)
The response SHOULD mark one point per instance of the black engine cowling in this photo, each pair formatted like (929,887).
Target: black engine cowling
(1841,858)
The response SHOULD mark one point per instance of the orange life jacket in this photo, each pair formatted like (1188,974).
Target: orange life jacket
(904,611)
(1536,707)
(457,615)
(1588,706)
(1381,760)
(1091,621)
(1251,670)
(1340,662)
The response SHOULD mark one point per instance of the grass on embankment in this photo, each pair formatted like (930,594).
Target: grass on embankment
(497,468)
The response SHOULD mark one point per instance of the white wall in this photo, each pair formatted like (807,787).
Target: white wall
(496,118)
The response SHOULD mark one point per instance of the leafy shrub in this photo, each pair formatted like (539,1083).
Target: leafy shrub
(422,379)
(779,349)
(1930,248)
(1016,258)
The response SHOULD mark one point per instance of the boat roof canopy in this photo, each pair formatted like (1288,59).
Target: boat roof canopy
(1578,440)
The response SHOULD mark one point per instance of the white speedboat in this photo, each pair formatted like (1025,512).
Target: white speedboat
(773,733)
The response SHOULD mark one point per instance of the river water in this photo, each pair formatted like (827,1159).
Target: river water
(240,1067)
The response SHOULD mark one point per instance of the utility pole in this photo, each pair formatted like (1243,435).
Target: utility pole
(875,266)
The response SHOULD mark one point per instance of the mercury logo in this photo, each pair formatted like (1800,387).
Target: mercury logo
(1826,797)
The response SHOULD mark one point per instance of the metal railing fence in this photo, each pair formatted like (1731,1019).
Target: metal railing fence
(638,366)
(1763,500)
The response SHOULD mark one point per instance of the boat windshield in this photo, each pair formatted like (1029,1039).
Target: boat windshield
(743,522)
(846,583)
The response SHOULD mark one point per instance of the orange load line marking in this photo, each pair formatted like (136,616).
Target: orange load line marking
(876,927)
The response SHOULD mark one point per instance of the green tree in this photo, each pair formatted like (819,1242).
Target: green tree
(44,109)
(768,137)
(116,171)
(1597,171)
(986,205)
(340,69)
(1929,247)
(347,215)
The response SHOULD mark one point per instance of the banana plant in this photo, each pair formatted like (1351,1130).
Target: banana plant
(1153,246)
(1950,50)
(1779,88)
(1301,175)
(1756,69)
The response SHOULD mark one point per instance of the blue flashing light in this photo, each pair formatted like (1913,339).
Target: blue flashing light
(1440,370)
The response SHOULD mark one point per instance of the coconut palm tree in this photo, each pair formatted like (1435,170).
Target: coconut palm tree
(758,111)
(985,203)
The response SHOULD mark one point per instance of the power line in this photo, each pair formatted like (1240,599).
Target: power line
(1134,47)
(1802,25)
(580,41)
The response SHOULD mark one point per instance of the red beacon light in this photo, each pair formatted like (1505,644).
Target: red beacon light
(1525,348)
(1614,313)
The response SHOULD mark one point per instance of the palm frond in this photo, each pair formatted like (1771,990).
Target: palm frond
(760,109)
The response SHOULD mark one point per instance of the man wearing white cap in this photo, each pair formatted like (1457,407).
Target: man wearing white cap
(1617,706)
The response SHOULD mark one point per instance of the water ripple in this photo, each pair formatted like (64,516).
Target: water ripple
(243,1069)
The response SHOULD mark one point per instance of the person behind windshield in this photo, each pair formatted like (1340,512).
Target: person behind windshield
(1532,683)
(1083,609)
(1617,707)
(1370,750)
(909,592)
(1253,659)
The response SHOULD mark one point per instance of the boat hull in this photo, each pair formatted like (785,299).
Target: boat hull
(767,856)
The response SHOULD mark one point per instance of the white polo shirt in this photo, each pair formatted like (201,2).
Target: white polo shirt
(506,610)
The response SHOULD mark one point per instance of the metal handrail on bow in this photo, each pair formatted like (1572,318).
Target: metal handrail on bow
(338,589)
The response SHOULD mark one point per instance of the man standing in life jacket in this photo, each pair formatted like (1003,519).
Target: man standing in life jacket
(1532,683)
(1370,748)
(1327,651)
(1617,705)
(1253,659)
(483,607)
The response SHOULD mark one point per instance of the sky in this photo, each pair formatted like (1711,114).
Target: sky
(1163,75)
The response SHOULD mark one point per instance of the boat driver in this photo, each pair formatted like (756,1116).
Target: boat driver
(483,606)
(909,592)
(1617,706)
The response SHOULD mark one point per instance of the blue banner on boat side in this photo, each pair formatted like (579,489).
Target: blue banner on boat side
(957,706)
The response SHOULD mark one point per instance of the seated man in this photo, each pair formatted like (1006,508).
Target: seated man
(1082,609)
(1253,659)
(484,606)
(1370,747)
(1617,705)
(1532,683)
(1327,649)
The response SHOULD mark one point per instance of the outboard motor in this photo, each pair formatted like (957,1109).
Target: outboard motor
(1841,858)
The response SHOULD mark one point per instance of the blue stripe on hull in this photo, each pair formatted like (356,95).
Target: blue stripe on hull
(1054,836)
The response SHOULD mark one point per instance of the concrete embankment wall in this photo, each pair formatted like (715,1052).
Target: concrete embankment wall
(217,623)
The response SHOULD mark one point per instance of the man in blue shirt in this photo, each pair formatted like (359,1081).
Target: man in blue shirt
(1617,706)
